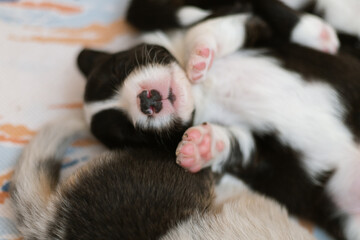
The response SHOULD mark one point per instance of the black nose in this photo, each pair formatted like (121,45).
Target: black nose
(150,102)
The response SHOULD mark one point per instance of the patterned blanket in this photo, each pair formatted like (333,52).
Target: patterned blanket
(39,80)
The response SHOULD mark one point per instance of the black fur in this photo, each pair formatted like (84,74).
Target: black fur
(148,15)
(350,44)
(155,14)
(106,72)
(113,128)
(131,194)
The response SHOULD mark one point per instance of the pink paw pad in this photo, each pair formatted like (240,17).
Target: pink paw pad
(328,40)
(196,149)
(199,63)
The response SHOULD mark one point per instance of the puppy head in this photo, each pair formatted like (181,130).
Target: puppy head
(146,83)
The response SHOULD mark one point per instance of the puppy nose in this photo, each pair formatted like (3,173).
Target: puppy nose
(150,102)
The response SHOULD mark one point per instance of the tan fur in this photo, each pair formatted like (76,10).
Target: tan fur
(245,216)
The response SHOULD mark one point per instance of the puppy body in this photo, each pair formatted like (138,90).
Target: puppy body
(285,119)
(127,194)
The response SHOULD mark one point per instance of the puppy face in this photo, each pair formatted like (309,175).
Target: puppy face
(146,84)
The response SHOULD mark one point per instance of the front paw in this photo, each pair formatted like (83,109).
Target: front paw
(199,62)
(313,32)
(199,148)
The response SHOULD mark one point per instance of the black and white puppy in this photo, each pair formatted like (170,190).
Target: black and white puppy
(304,29)
(342,15)
(286,120)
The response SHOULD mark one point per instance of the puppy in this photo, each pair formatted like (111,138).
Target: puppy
(134,193)
(284,119)
(129,194)
(287,24)
(342,15)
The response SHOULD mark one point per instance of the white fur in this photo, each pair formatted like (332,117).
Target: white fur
(254,97)
(189,15)
(150,75)
(245,140)
(219,133)
(296,4)
(308,33)
(243,216)
(228,187)
(219,36)
(225,35)
(172,41)
(342,14)
(352,230)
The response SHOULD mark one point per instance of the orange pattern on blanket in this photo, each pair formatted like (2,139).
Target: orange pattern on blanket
(93,35)
(15,134)
(307,225)
(65,9)
(3,179)
(3,197)
(85,142)
(67,106)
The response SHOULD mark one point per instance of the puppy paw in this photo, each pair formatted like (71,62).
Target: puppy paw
(199,148)
(199,62)
(313,32)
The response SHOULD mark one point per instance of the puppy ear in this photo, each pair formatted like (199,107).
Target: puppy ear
(88,58)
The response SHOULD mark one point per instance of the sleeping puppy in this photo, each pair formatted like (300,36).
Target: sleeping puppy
(284,119)
(128,194)
(342,15)
(131,194)
(301,28)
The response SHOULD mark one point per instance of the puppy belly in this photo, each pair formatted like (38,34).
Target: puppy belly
(260,95)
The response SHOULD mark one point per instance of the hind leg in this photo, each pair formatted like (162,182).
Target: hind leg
(219,37)
(313,32)
(304,29)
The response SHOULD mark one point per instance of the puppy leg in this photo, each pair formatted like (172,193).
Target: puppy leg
(313,32)
(304,29)
(218,37)
(215,146)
